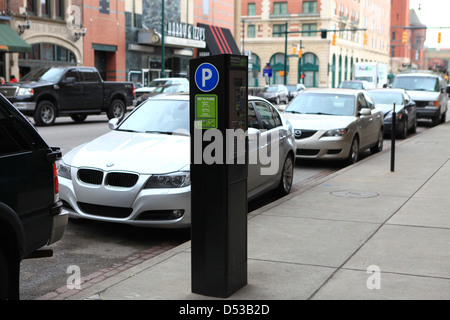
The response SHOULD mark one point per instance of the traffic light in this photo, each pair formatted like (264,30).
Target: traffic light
(333,42)
(293,50)
(439,37)
(405,37)
(300,52)
(366,39)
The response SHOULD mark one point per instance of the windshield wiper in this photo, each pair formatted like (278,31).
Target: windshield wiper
(322,113)
(160,132)
(296,112)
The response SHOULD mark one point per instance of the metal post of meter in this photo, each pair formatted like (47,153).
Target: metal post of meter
(218,112)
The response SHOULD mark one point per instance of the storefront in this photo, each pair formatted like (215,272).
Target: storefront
(182,42)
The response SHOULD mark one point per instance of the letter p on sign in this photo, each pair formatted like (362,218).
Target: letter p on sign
(206,77)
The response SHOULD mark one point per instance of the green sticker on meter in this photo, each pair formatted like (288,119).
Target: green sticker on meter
(206,111)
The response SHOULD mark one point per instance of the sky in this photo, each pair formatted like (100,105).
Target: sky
(434,13)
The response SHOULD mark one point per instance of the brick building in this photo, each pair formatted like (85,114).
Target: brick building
(322,64)
(104,40)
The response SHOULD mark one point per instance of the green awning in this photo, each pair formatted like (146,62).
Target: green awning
(10,41)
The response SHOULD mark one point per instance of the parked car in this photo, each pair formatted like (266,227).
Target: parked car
(165,88)
(48,93)
(294,89)
(139,173)
(356,84)
(405,108)
(428,90)
(158,82)
(275,93)
(335,124)
(30,210)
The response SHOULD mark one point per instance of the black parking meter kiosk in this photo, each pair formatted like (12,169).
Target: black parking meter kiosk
(219,166)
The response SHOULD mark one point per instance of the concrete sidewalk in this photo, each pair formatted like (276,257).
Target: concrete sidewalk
(324,241)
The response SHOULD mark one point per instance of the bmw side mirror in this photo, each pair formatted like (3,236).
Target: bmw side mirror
(113,123)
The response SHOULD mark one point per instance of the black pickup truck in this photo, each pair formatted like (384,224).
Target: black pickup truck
(31,214)
(47,93)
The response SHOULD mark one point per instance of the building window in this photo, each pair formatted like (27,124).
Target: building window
(310,7)
(251,31)
(278,28)
(312,27)
(31,7)
(45,8)
(280,8)
(251,9)
(104,6)
(48,52)
(59,9)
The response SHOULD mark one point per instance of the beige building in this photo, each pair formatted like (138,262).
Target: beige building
(53,29)
(322,64)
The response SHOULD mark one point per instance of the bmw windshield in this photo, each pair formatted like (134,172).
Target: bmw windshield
(158,116)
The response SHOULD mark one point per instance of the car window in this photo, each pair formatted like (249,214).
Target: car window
(361,102)
(74,74)
(276,117)
(89,76)
(370,103)
(265,112)
(11,140)
(252,119)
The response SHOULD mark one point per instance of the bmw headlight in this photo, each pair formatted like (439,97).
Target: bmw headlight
(335,133)
(172,180)
(25,92)
(64,170)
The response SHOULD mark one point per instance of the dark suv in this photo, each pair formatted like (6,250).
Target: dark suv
(30,211)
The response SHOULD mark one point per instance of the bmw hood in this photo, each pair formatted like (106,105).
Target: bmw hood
(130,151)
(423,95)
(318,122)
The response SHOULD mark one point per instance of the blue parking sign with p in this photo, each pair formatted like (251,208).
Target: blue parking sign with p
(206,77)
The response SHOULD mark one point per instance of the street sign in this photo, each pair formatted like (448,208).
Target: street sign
(267,72)
(206,77)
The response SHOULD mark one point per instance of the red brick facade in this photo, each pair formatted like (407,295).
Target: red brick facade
(105,33)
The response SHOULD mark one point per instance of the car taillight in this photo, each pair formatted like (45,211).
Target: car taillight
(134,92)
(55,183)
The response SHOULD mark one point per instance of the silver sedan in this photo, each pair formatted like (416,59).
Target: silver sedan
(139,173)
(335,124)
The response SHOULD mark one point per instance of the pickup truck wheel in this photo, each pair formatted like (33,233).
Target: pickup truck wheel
(45,114)
(78,117)
(117,109)
(4,276)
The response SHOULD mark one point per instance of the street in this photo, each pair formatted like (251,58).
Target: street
(94,246)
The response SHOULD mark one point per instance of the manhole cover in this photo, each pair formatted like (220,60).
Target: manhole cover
(355,194)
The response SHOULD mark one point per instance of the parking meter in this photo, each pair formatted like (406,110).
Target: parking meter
(219,167)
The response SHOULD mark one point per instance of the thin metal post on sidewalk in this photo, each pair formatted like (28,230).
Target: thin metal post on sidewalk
(393,134)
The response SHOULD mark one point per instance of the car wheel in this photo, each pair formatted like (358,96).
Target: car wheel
(379,146)
(9,280)
(444,117)
(353,155)
(414,128)
(45,114)
(117,109)
(78,117)
(404,132)
(4,276)
(287,176)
